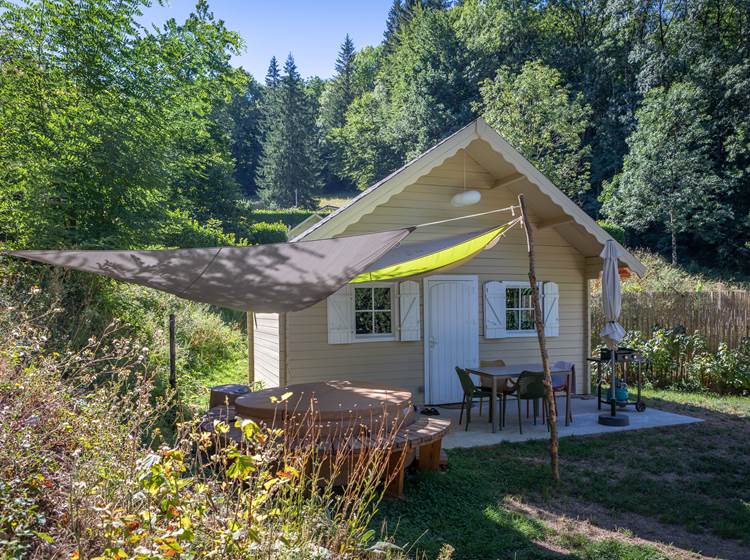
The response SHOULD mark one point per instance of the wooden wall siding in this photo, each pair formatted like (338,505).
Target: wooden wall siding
(718,316)
(310,358)
(268,354)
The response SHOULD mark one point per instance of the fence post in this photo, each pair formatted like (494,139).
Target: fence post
(172,354)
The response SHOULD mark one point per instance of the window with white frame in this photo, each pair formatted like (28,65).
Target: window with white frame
(373,311)
(519,310)
(508,310)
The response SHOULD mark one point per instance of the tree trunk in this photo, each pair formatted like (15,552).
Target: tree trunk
(549,396)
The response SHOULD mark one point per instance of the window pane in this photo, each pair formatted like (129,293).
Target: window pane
(382,298)
(510,297)
(383,322)
(363,322)
(362,298)
(511,320)
(525,298)
(527,320)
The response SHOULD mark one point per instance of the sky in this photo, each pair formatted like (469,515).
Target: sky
(312,30)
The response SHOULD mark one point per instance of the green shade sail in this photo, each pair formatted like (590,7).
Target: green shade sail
(428,256)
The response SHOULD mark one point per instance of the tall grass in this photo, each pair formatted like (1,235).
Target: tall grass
(86,473)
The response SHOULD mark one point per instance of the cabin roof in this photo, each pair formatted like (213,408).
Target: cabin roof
(551,207)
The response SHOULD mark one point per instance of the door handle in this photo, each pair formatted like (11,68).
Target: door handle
(433,342)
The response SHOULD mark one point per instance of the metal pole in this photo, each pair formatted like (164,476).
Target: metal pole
(612,385)
(172,354)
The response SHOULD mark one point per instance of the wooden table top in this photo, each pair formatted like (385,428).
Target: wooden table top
(514,370)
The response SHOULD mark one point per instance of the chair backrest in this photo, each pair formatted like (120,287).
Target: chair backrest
(491,363)
(530,385)
(466,383)
(561,379)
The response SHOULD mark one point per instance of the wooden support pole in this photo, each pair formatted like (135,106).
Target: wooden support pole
(429,456)
(549,396)
(250,348)
(394,475)
(172,354)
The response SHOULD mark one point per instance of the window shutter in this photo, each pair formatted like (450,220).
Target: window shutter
(341,316)
(551,309)
(409,310)
(494,310)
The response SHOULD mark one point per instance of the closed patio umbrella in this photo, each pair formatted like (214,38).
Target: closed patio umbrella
(612,332)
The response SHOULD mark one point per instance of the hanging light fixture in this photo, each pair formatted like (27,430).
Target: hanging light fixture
(466,198)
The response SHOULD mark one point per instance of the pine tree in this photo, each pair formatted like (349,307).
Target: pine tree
(246,115)
(288,170)
(339,92)
(345,71)
(393,23)
(401,12)
(273,74)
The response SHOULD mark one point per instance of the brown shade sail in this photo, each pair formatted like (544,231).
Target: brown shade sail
(272,278)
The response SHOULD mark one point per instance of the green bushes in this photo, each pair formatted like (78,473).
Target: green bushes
(84,473)
(210,342)
(183,231)
(265,232)
(288,216)
(682,361)
(617,232)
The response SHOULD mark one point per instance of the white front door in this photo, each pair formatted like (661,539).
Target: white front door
(451,334)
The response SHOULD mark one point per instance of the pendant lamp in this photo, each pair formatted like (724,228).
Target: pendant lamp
(466,198)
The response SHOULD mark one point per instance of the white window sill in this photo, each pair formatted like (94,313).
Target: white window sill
(374,338)
(516,334)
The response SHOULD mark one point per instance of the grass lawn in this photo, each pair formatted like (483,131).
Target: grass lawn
(622,496)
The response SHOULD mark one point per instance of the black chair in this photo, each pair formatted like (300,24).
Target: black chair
(530,387)
(471,392)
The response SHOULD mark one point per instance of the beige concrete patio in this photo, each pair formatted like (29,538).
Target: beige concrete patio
(585,415)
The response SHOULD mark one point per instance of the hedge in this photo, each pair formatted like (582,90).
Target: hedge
(614,230)
(288,216)
(265,232)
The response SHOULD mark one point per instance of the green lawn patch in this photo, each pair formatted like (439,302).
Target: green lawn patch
(690,482)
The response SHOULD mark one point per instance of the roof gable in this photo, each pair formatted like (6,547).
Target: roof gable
(512,171)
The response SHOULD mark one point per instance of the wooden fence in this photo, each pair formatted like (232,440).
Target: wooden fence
(718,316)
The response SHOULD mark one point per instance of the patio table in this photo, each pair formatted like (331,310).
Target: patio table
(496,374)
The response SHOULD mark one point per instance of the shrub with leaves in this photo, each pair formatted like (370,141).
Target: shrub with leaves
(682,361)
(85,473)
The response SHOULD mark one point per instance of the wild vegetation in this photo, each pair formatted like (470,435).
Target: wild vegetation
(94,466)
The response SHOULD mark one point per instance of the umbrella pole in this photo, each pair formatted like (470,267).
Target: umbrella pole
(612,384)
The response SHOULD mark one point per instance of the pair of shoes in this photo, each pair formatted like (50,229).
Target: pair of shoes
(430,411)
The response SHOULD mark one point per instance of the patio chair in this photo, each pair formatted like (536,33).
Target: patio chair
(560,383)
(530,387)
(471,392)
